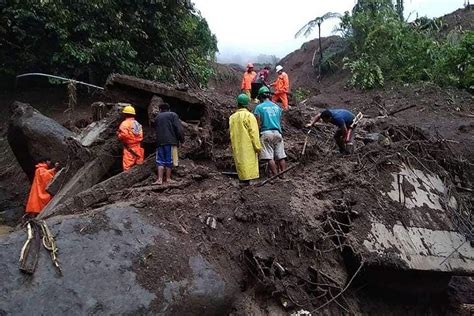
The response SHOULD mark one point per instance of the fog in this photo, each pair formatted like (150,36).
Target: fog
(246,29)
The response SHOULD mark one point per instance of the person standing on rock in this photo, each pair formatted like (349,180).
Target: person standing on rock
(130,133)
(282,87)
(343,119)
(169,135)
(245,141)
(268,116)
(247,79)
(39,197)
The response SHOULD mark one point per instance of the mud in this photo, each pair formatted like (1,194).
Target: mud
(204,245)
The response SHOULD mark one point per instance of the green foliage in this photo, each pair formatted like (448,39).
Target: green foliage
(300,94)
(317,21)
(91,39)
(384,47)
(333,56)
(365,74)
(455,63)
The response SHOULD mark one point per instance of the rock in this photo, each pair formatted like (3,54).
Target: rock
(376,138)
(32,135)
(100,255)
(154,108)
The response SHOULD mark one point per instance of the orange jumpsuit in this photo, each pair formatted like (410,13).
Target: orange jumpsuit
(130,134)
(38,197)
(282,87)
(246,85)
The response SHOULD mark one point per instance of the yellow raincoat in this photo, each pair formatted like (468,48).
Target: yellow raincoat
(245,141)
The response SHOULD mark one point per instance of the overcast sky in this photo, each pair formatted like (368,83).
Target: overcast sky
(252,27)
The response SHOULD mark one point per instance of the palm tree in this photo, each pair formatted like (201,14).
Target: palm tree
(400,7)
(308,28)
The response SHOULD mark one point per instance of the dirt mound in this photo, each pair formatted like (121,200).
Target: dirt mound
(459,20)
(226,78)
(305,241)
(300,65)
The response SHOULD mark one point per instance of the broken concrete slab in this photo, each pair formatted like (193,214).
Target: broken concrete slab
(99,131)
(117,81)
(425,189)
(414,248)
(422,235)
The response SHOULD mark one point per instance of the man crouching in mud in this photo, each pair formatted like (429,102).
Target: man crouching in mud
(343,119)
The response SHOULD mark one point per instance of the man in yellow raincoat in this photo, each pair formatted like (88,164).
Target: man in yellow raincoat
(245,140)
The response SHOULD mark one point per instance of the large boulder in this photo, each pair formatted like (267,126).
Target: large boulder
(32,135)
(104,256)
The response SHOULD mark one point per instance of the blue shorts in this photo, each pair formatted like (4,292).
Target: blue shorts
(164,156)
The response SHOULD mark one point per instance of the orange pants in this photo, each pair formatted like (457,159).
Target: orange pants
(284,99)
(129,160)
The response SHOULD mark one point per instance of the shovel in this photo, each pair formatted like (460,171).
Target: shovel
(305,142)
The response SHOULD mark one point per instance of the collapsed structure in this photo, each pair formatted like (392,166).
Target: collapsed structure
(384,229)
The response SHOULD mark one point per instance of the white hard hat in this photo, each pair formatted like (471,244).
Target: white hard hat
(278,68)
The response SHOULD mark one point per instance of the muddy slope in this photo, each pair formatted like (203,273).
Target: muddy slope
(303,241)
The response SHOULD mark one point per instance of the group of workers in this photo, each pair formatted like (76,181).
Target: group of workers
(253,81)
(169,135)
(259,134)
(253,135)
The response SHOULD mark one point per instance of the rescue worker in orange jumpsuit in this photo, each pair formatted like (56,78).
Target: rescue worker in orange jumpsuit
(130,134)
(39,197)
(247,79)
(282,87)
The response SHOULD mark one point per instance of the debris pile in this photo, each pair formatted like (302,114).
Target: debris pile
(336,234)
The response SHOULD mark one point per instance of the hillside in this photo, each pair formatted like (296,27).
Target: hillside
(386,230)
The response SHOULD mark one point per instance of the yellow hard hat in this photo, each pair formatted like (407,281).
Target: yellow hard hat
(129,109)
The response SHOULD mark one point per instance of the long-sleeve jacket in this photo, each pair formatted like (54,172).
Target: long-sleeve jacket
(245,141)
(282,84)
(130,132)
(38,197)
(247,80)
(169,130)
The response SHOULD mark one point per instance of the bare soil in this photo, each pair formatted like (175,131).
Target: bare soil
(285,243)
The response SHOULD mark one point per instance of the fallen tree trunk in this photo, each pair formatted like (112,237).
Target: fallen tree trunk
(105,152)
(69,204)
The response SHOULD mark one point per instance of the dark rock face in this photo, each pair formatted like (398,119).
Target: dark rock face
(97,256)
(32,135)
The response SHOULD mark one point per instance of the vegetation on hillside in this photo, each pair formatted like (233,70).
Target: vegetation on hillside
(162,39)
(385,47)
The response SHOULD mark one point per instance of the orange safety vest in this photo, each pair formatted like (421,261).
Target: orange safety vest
(282,84)
(247,80)
(38,197)
(130,132)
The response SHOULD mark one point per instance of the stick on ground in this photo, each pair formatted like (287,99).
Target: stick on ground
(277,175)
